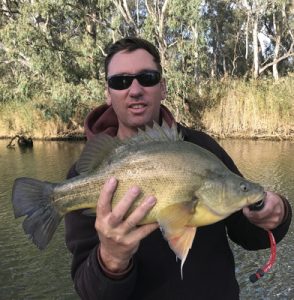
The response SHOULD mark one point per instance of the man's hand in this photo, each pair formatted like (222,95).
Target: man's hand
(270,216)
(120,237)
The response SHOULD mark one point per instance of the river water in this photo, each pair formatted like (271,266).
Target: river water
(28,273)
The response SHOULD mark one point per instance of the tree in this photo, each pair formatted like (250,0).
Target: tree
(59,45)
(280,32)
(271,21)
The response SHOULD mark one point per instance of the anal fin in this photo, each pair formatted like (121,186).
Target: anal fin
(173,222)
(182,244)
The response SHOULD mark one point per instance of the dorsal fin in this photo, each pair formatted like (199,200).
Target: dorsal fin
(157,133)
(95,151)
(102,146)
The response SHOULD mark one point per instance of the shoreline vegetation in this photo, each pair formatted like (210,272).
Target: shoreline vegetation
(228,108)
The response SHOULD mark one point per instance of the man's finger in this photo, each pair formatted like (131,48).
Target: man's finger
(123,206)
(141,232)
(105,197)
(139,213)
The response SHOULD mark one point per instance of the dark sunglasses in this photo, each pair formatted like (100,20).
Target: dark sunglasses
(122,82)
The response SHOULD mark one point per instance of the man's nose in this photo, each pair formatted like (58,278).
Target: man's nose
(135,88)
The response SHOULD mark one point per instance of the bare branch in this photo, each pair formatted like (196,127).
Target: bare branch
(148,8)
(126,7)
(102,51)
(285,56)
(161,18)
(125,12)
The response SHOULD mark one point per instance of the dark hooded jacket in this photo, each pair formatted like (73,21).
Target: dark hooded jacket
(154,273)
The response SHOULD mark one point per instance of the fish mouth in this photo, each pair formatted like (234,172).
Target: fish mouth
(259,204)
(258,198)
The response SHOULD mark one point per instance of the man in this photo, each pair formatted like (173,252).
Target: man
(113,258)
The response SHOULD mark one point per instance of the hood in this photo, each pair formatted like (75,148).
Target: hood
(104,119)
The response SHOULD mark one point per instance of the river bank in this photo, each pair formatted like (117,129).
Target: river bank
(62,137)
(79,136)
(224,109)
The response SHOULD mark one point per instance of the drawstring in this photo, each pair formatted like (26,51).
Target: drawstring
(260,272)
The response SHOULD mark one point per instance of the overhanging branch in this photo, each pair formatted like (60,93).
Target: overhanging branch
(285,56)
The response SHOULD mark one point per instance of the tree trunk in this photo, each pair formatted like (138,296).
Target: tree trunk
(196,52)
(255,48)
(276,55)
(247,34)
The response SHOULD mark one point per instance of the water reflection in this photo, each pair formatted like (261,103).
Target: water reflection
(26,272)
(271,164)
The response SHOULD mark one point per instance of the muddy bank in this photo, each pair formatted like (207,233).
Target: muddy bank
(79,136)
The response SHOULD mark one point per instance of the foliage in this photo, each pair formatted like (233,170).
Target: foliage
(52,51)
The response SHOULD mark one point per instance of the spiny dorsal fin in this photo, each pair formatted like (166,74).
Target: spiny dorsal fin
(95,151)
(157,133)
(102,146)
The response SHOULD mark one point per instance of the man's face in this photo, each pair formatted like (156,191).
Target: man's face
(137,105)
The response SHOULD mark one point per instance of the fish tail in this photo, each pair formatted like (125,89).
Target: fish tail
(33,198)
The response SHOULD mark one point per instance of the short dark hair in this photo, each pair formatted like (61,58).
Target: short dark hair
(131,44)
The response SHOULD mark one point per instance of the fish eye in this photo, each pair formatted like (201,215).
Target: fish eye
(244,187)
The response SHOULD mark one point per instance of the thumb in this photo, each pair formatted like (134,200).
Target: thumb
(246,211)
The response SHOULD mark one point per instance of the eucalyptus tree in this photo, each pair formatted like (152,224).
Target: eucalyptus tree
(54,50)
(221,35)
(271,25)
(278,28)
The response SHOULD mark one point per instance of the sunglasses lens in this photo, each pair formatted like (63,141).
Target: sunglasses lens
(149,78)
(122,82)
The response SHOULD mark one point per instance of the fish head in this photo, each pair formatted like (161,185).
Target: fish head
(222,195)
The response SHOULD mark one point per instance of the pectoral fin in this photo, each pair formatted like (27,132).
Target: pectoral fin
(173,221)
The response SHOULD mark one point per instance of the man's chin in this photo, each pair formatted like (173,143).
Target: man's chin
(141,122)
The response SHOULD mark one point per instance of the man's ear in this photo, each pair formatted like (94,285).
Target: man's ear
(107,96)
